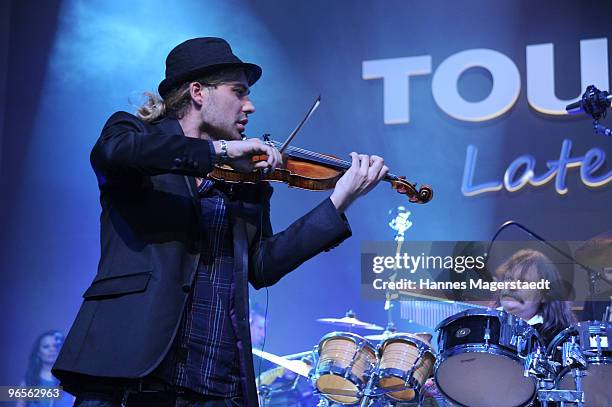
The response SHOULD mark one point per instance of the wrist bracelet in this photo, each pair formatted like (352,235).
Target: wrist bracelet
(223,158)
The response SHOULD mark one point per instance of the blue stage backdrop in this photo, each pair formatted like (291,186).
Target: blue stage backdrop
(466,96)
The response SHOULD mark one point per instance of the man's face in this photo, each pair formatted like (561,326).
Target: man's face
(258,330)
(226,107)
(522,303)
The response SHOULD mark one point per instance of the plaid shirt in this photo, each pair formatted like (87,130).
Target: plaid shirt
(205,355)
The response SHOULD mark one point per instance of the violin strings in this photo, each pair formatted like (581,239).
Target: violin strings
(326,159)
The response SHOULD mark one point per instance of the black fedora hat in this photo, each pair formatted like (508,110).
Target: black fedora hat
(199,56)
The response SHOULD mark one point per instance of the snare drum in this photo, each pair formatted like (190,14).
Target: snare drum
(481,359)
(592,339)
(344,366)
(406,360)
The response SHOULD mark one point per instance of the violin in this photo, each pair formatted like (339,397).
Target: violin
(312,171)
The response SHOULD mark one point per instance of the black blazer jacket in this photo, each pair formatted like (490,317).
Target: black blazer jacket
(149,250)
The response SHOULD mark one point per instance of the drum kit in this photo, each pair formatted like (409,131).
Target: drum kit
(485,358)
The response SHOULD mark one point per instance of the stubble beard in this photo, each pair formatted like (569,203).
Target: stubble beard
(214,130)
(219,132)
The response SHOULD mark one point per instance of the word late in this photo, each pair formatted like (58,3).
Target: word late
(522,171)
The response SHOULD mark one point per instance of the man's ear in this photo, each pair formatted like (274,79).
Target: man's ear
(196,90)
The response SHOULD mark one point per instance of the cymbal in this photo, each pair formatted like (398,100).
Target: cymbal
(351,321)
(596,252)
(296,366)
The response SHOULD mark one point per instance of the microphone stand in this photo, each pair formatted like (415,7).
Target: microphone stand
(593,274)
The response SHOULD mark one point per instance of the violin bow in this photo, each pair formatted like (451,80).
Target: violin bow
(312,109)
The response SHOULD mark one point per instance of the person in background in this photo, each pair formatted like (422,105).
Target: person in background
(38,373)
(257,319)
(548,311)
(276,385)
(258,325)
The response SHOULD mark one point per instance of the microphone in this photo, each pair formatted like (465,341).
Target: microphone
(593,102)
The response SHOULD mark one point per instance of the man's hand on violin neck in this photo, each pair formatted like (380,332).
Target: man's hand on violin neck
(363,175)
(240,154)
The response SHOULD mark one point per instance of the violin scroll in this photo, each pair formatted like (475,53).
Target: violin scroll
(421,196)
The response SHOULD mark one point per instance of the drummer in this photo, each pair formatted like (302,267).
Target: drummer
(546,310)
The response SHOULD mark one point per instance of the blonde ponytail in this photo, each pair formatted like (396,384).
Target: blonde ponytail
(152,108)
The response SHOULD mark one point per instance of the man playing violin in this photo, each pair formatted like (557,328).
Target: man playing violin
(165,320)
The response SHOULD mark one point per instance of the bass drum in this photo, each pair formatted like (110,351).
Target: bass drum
(594,339)
(481,359)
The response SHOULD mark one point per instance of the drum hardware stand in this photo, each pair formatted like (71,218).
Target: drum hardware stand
(264,393)
(561,396)
(349,368)
(422,351)
(598,341)
(368,391)
(315,363)
(578,375)
(572,355)
(520,342)
(323,402)
(546,391)
(539,366)
(315,358)
(312,375)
